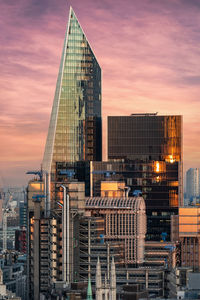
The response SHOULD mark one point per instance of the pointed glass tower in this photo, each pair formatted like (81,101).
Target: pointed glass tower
(75,132)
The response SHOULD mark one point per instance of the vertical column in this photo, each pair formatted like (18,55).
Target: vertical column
(98,281)
(89,250)
(36,248)
(91,179)
(112,281)
(48,194)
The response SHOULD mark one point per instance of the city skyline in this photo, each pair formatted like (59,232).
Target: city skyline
(157,45)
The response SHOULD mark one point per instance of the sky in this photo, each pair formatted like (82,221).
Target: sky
(149,52)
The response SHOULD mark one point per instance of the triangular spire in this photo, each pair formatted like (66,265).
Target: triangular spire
(77,98)
(89,290)
(98,274)
(1,277)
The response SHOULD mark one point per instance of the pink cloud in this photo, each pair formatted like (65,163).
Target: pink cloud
(148,51)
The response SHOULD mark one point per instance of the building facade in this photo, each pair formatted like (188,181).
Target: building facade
(125,221)
(75,126)
(145,137)
(52,239)
(106,289)
(151,145)
(192,184)
(189,236)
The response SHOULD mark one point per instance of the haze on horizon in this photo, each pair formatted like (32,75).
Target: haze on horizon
(149,52)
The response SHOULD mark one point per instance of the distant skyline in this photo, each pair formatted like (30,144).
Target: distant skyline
(149,52)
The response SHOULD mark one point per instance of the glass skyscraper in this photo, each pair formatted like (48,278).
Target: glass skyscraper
(75,131)
(145,137)
(149,148)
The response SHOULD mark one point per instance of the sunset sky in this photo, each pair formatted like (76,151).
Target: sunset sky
(149,52)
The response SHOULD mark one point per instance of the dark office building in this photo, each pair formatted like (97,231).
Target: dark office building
(147,150)
(145,137)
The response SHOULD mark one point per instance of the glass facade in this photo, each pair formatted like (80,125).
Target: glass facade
(160,189)
(75,126)
(145,152)
(159,182)
(145,137)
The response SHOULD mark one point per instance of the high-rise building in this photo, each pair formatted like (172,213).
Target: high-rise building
(145,137)
(146,150)
(125,221)
(75,126)
(192,183)
(53,253)
(189,236)
(74,134)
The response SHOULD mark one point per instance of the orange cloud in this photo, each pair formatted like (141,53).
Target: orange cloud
(148,51)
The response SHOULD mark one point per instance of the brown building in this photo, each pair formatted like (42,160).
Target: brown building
(189,236)
(52,238)
(162,254)
(125,221)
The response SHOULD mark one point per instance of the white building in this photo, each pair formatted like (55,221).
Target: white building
(105,289)
(192,183)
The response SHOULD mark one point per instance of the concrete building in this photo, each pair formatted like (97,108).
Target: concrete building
(4,293)
(92,244)
(162,254)
(134,292)
(189,236)
(106,288)
(192,185)
(52,248)
(10,233)
(13,274)
(125,221)
(178,279)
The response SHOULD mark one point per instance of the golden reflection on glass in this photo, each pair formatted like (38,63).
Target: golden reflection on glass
(79,114)
(173,198)
(172,134)
(159,166)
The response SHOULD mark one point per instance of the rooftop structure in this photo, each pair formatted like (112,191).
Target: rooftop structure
(125,221)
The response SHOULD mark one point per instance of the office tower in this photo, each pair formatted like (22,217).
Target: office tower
(192,183)
(145,137)
(92,243)
(75,126)
(53,256)
(111,227)
(74,135)
(189,236)
(148,149)
(125,221)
